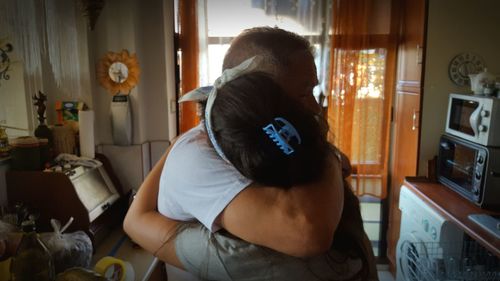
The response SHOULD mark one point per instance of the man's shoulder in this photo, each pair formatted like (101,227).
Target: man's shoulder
(194,136)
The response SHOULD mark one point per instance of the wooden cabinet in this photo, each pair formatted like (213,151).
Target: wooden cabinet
(404,160)
(406,112)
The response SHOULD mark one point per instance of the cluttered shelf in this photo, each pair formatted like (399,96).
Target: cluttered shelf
(66,195)
(116,258)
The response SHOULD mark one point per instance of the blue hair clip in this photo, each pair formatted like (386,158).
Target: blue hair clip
(282,134)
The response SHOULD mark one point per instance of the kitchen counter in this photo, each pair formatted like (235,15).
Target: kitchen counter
(455,208)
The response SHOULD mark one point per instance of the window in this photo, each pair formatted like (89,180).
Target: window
(226,19)
(364,79)
(359,100)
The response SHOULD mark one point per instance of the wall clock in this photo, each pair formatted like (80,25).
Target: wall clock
(119,72)
(462,65)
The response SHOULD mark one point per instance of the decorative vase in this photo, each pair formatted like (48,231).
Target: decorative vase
(43,132)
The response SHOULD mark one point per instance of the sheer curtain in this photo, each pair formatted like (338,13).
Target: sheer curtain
(362,71)
(50,38)
(188,45)
(48,29)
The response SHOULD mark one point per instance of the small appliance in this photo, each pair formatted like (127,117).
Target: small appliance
(433,248)
(426,240)
(470,169)
(474,118)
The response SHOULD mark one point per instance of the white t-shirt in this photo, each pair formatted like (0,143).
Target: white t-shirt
(196,183)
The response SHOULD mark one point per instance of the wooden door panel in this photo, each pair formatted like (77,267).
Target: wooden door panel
(406,112)
(404,161)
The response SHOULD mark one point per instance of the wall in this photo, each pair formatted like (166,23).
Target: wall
(454,26)
(26,24)
(137,26)
(145,28)
(13,101)
(142,27)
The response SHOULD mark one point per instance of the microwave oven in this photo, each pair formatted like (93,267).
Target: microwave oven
(474,118)
(470,169)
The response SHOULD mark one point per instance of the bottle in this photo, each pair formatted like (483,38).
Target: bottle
(32,261)
(8,246)
(4,143)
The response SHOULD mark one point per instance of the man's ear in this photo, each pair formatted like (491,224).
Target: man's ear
(346,165)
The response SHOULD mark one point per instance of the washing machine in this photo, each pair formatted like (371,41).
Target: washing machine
(429,246)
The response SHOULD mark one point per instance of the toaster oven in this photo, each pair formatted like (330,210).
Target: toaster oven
(470,169)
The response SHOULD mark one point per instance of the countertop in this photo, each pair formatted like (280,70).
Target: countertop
(455,208)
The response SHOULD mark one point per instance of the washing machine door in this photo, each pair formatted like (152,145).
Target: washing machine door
(413,261)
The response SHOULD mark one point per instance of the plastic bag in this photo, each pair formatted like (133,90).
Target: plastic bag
(68,250)
(79,274)
(6,228)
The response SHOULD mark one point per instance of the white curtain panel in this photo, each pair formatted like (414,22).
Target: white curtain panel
(48,29)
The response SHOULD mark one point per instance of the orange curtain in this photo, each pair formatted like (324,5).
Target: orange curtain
(362,72)
(188,44)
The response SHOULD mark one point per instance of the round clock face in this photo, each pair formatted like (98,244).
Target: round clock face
(462,65)
(118,72)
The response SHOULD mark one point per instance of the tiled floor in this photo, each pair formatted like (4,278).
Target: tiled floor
(371,213)
(383,272)
(385,276)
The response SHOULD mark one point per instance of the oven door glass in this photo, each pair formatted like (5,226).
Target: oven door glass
(457,163)
(460,113)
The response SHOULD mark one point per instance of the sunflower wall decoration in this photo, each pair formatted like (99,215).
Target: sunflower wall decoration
(119,72)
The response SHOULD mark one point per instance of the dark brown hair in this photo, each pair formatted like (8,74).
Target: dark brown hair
(242,109)
(277,46)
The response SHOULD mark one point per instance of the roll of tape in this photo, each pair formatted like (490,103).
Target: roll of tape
(5,270)
(115,269)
